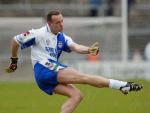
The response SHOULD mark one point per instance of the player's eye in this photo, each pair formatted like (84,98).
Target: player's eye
(59,22)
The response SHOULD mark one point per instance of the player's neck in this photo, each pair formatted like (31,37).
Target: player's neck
(51,30)
(55,33)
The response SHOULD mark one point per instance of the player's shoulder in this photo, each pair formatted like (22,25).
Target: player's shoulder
(39,30)
(68,39)
(65,35)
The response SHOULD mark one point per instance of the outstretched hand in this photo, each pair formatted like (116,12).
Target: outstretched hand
(94,49)
(13,65)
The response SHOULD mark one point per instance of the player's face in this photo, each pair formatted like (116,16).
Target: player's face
(57,24)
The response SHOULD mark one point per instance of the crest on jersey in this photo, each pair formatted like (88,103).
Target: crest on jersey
(26,33)
(60,44)
(48,42)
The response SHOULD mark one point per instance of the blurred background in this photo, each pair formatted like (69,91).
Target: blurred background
(120,26)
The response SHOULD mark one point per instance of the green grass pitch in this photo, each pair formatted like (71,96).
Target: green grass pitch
(26,97)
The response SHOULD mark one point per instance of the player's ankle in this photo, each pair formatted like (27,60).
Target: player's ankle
(116,84)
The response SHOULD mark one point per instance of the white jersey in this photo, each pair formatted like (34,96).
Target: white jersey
(44,44)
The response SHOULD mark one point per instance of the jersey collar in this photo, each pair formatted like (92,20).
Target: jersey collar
(49,30)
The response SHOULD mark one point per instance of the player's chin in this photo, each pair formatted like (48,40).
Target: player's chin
(61,30)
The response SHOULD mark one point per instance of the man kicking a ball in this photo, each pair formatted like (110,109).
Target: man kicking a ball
(47,44)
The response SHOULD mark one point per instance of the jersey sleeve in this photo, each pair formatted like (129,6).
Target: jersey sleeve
(26,39)
(68,41)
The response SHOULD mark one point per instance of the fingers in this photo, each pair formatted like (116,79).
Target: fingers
(94,52)
(13,65)
(94,49)
(8,70)
(96,44)
(11,68)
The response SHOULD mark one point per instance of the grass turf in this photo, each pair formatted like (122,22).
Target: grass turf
(26,97)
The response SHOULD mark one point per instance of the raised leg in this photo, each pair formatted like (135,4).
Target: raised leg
(72,76)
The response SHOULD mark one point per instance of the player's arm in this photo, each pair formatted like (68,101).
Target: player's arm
(23,40)
(93,49)
(79,48)
(14,56)
(14,48)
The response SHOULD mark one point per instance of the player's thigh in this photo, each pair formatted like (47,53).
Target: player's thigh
(68,90)
(70,76)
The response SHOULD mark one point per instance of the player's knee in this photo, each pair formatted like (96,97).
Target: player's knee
(77,96)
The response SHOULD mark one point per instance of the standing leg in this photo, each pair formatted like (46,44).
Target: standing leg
(74,95)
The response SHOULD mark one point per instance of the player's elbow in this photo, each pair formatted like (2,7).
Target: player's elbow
(74,47)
